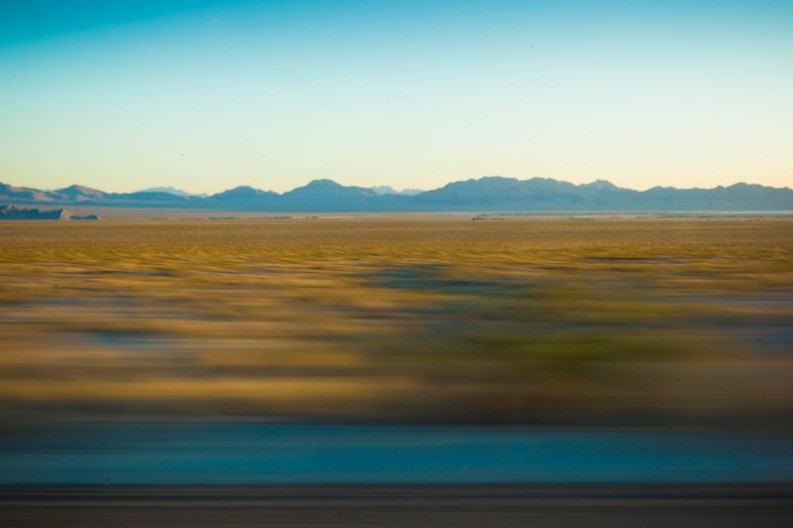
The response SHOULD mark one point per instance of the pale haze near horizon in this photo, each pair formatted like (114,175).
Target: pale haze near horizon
(205,96)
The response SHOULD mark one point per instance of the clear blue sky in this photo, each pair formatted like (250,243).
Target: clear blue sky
(208,95)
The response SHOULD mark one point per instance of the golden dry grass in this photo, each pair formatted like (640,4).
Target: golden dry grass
(400,318)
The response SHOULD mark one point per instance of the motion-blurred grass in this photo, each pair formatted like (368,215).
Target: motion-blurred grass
(413,319)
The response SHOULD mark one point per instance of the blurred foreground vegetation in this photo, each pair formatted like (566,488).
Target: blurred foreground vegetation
(401,319)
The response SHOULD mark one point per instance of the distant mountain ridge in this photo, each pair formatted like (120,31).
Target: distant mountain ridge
(489,193)
(387,189)
(170,190)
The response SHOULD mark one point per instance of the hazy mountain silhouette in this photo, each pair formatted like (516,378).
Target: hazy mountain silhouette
(170,190)
(491,193)
(23,194)
(150,198)
(327,195)
(80,193)
(387,189)
(244,194)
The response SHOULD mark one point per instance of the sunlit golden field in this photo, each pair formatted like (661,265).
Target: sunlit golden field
(408,318)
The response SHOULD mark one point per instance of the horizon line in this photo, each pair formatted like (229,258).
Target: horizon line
(398,190)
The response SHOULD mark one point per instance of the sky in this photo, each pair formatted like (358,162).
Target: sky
(208,95)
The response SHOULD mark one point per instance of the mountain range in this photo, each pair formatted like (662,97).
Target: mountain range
(490,193)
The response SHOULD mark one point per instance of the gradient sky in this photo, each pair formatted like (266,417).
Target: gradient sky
(207,95)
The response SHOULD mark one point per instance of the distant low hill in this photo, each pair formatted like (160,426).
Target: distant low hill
(491,193)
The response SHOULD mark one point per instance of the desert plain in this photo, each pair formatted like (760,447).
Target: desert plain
(575,321)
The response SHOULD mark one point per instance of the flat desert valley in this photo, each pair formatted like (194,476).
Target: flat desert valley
(534,321)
